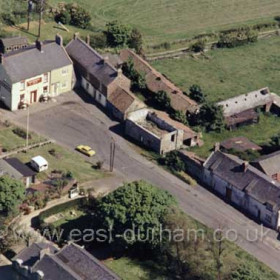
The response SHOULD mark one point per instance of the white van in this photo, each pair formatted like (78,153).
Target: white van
(39,164)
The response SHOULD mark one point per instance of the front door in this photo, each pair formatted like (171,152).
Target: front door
(228,194)
(33,96)
(55,89)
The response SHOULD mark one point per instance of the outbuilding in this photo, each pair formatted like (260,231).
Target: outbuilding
(39,163)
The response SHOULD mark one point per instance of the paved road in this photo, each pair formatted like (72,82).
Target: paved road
(72,121)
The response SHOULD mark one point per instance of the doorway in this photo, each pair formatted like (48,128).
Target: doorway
(228,194)
(33,96)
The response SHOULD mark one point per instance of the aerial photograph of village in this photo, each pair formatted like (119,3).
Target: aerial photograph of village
(140,139)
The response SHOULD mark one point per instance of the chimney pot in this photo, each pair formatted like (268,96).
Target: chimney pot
(120,71)
(1,58)
(76,35)
(217,147)
(245,166)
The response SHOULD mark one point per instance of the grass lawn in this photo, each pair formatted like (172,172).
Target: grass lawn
(65,161)
(129,269)
(228,72)
(164,20)
(48,31)
(259,133)
(10,141)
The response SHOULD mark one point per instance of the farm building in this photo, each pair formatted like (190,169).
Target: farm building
(13,44)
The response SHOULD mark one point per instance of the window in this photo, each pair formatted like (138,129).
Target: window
(173,138)
(269,207)
(46,77)
(22,85)
(87,86)
(45,90)
(99,96)
(22,96)
(64,85)
(64,71)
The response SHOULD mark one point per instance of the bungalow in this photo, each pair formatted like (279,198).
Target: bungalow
(157,82)
(72,262)
(17,170)
(37,71)
(240,110)
(244,186)
(94,73)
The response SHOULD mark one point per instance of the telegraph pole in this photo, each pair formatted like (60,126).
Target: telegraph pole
(29,10)
(41,8)
(112,154)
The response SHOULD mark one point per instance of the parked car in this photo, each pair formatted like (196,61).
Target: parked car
(86,150)
(39,163)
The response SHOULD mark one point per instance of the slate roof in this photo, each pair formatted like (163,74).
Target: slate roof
(256,184)
(20,167)
(246,101)
(71,263)
(31,254)
(91,61)
(12,41)
(7,169)
(157,82)
(269,164)
(30,62)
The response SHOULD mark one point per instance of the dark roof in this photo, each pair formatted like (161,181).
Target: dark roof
(30,62)
(20,167)
(240,144)
(84,264)
(245,116)
(256,184)
(31,255)
(71,263)
(13,41)
(269,164)
(91,61)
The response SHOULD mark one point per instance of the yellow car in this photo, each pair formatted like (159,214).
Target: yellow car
(86,150)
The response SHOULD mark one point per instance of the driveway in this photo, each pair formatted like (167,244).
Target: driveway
(73,120)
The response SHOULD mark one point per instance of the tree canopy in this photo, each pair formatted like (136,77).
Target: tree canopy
(12,193)
(139,207)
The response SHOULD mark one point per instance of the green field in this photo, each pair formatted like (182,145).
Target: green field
(225,73)
(165,20)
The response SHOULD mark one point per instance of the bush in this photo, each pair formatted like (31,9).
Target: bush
(118,34)
(179,116)
(173,161)
(197,94)
(237,38)
(64,17)
(198,46)
(98,41)
(21,133)
(162,100)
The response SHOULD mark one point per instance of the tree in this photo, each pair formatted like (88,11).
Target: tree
(245,271)
(138,207)
(98,41)
(211,116)
(12,194)
(64,17)
(162,99)
(179,116)
(118,34)
(136,40)
(173,161)
(197,94)
(198,46)
(79,16)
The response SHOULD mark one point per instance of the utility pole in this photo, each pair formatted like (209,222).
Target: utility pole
(112,154)
(29,10)
(41,8)
(27,128)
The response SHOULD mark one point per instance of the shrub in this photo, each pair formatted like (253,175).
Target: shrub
(98,41)
(162,100)
(99,165)
(179,116)
(118,34)
(173,161)
(136,40)
(197,94)
(21,133)
(64,17)
(198,46)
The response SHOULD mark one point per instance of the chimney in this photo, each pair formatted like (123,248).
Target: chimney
(44,252)
(59,40)
(76,35)
(88,39)
(245,166)
(105,59)
(217,147)
(120,72)
(39,46)
(1,58)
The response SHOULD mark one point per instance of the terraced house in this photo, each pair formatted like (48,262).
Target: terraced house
(38,71)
